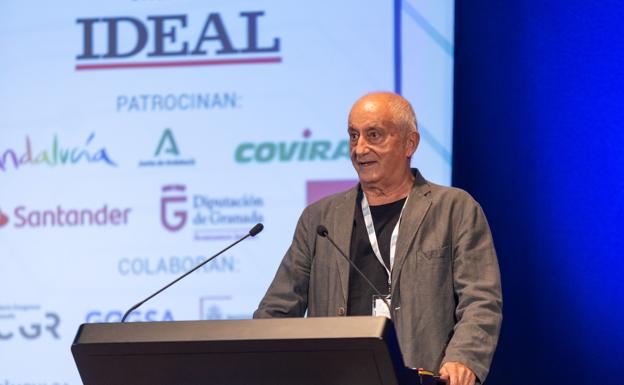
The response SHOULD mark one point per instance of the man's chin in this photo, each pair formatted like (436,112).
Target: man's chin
(368,178)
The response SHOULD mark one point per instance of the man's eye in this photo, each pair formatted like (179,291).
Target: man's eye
(353,135)
(373,135)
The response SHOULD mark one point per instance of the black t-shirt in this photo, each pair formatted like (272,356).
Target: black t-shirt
(385,218)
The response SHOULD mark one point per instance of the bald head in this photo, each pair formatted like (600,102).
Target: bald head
(396,107)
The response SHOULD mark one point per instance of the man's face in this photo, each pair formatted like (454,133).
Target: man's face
(378,150)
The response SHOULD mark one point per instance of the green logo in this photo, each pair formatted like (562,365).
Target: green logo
(305,150)
(167,153)
(168,140)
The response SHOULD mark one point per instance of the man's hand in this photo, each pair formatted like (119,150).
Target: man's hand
(457,374)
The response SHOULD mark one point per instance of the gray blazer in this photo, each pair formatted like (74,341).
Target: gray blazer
(445,280)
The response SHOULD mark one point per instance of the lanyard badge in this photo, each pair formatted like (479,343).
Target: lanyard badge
(379,308)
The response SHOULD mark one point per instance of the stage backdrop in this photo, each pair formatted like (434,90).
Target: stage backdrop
(139,137)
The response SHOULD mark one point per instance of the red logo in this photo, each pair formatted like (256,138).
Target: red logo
(173,194)
(4,219)
(318,189)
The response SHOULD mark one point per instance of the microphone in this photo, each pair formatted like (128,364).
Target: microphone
(252,233)
(322,231)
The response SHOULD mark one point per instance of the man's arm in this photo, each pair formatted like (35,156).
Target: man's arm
(476,281)
(287,295)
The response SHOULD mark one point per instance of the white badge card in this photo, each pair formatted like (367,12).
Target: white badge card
(380,308)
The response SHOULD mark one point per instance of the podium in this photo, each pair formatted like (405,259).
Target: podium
(284,351)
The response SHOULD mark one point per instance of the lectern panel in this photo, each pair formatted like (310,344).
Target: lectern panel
(312,351)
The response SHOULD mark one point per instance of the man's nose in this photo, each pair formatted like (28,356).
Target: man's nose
(360,147)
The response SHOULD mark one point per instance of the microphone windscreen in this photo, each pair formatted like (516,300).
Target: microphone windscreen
(256,229)
(322,231)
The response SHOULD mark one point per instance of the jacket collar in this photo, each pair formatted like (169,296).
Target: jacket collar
(416,209)
(341,227)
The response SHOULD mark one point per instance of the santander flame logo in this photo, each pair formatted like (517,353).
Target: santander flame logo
(4,219)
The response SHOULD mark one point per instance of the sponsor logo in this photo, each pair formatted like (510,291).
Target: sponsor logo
(63,217)
(167,153)
(149,315)
(4,219)
(55,155)
(178,102)
(212,218)
(30,322)
(306,150)
(157,37)
(319,189)
(175,265)
(216,308)
(173,195)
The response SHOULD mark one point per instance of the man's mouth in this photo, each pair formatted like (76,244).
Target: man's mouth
(366,163)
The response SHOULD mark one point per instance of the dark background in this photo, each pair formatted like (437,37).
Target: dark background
(538,123)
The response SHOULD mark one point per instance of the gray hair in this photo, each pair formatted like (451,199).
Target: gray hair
(403,113)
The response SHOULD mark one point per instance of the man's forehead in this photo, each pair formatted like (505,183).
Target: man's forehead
(359,122)
(369,115)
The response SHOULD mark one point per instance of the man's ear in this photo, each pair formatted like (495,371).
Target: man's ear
(411,144)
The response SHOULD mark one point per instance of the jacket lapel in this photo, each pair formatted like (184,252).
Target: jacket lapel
(415,210)
(340,229)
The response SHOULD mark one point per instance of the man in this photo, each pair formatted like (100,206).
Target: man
(429,247)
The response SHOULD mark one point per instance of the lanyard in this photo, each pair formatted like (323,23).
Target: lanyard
(372,236)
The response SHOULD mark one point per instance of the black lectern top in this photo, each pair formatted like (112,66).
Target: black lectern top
(287,351)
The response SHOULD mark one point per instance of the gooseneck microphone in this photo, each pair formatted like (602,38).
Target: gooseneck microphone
(322,231)
(252,233)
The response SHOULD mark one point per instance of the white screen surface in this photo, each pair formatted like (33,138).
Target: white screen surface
(120,170)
